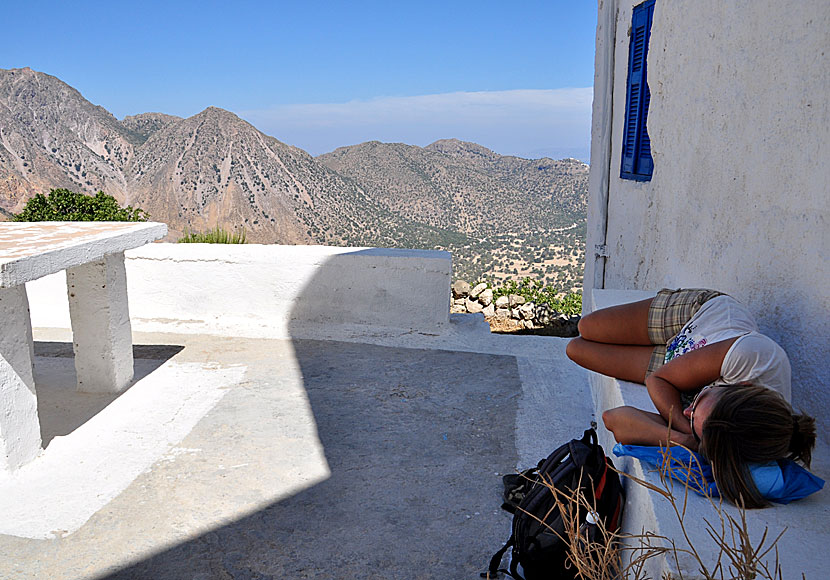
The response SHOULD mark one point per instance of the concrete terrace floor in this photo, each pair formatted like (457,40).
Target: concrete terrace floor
(354,457)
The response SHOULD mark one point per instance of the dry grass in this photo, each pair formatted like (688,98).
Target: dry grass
(624,556)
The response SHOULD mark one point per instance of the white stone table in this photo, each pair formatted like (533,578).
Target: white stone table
(92,253)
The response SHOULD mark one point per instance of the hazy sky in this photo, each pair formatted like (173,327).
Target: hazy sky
(513,76)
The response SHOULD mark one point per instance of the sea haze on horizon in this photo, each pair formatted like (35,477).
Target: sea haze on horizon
(511,77)
(531,123)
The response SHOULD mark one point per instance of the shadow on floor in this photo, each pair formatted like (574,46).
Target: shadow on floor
(60,408)
(415,441)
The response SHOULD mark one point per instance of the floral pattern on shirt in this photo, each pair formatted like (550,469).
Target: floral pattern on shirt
(685,341)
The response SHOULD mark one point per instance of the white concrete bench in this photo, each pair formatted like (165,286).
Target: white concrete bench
(92,253)
(801,549)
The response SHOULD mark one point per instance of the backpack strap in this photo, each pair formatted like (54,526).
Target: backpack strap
(599,486)
(514,570)
(493,570)
(590,438)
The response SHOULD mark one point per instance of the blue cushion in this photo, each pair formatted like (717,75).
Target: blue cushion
(779,481)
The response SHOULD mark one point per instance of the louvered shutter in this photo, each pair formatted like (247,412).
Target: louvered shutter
(636,151)
(644,163)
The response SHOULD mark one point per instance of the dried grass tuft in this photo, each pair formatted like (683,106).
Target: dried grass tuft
(624,556)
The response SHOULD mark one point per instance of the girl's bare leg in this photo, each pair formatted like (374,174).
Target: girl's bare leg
(623,324)
(614,341)
(632,426)
(625,362)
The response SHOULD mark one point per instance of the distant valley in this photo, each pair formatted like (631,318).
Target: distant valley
(502,217)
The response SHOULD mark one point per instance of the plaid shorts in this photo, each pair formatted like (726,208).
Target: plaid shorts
(668,314)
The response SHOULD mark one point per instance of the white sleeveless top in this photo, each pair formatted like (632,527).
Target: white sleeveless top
(753,358)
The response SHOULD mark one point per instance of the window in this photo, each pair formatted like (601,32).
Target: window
(636,150)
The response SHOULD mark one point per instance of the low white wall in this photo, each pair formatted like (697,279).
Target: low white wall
(267,290)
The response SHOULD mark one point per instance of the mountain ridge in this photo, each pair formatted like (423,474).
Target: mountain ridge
(458,175)
(215,169)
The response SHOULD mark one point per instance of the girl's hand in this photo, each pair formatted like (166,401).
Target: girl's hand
(686,440)
(632,426)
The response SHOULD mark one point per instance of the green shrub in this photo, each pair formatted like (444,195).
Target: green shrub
(214,236)
(534,291)
(65,205)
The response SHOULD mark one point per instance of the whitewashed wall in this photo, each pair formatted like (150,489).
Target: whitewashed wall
(269,290)
(740,130)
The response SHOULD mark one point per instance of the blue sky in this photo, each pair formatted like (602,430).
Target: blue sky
(515,77)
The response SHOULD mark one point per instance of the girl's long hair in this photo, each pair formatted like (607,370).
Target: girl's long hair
(752,424)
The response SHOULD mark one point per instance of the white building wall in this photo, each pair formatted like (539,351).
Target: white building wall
(740,128)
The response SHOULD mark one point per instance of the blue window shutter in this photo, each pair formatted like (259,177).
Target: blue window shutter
(636,151)
(645,164)
(630,137)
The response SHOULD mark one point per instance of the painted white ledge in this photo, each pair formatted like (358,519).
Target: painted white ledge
(806,520)
(272,291)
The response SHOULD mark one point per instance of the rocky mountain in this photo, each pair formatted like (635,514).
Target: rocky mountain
(215,169)
(466,187)
(52,137)
(195,173)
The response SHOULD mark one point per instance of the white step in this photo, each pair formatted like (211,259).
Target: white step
(802,549)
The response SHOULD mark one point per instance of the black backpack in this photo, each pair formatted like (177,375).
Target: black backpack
(538,547)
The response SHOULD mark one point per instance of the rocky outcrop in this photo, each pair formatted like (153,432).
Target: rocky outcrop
(511,313)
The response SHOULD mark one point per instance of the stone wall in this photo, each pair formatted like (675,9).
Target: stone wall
(511,313)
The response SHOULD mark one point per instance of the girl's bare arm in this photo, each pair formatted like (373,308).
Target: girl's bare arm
(632,426)
(689,372)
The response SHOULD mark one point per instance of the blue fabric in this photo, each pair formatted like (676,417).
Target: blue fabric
(780,481)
